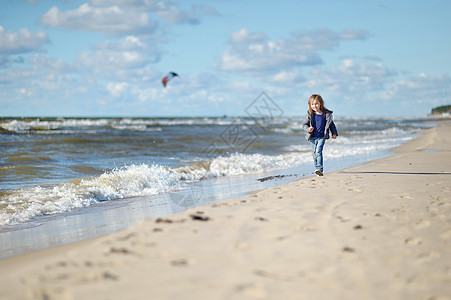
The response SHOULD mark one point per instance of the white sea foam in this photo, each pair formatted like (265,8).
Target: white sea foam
(37,124)
(130,181)
(56,125)
(134,180)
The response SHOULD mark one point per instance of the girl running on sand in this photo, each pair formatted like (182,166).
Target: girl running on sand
(317,124)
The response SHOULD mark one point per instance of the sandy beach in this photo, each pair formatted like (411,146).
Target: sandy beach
(377,231)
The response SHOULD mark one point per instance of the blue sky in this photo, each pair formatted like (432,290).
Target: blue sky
(107,57)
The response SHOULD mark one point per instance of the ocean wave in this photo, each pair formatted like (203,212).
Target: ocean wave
(75,125)
(135,180)
(130,181)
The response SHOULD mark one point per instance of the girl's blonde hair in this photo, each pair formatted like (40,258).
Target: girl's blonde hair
(320,100)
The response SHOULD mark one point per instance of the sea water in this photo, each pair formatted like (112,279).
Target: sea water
(52,169)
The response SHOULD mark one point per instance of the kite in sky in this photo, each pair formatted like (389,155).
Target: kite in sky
(168,77)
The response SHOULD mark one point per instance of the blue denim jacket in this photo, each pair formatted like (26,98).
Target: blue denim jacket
(330,125)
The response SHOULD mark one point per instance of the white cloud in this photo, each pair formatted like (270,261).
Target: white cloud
(130,4)
(112,20)
(213,98)
(373,89)
(166,10)
(254,54)
(422,88)
(21,42)
(172,14)
(40,68)
(244,36)
(287,77)
(40,85)
(322,39)
(146,94)
(119,60)
(350,76)
(129,43)
(119,18)
(49,64)
(117,89)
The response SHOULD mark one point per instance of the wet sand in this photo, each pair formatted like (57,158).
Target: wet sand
(377,231)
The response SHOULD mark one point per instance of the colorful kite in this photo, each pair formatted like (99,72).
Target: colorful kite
(168,77)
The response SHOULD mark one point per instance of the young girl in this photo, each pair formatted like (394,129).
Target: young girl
(317,125)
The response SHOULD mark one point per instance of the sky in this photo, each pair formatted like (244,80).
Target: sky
(107,57)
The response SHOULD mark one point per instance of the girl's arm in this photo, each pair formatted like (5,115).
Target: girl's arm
(333,129)
(306,124)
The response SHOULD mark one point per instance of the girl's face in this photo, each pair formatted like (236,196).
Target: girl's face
(316,106)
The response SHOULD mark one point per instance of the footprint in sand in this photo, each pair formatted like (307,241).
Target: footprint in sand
(126,237)
(426,257)
(275,276)
(253,290)
(121,250)
(348,249)
(283,237)
(303,228)
(372,214)
(182,262)
(143,243)
(412,241)
(53,293)
(405,196)
(440,217)
(77,265)
(74,277)
(344,219)
(421,224)
(96,277)
(93,277)
(443,204)
(169,220)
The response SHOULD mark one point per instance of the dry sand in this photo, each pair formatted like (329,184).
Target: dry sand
(377,231)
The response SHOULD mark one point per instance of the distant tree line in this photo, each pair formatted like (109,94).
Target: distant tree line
(441,109)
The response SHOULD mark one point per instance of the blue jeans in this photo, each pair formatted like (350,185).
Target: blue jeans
(317,151)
